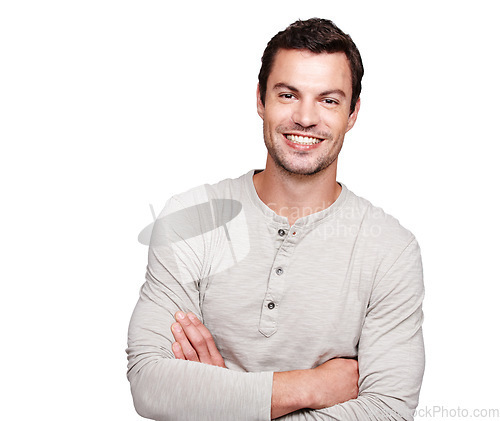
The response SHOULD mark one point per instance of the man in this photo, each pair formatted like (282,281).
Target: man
(265,295)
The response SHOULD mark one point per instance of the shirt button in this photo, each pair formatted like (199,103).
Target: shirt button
(279,271)
(281,232)
(271,305)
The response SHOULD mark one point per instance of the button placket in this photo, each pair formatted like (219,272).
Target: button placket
(268,324)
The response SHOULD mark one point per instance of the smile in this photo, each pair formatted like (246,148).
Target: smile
(303,140)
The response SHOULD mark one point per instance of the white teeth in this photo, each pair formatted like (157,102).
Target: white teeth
(302,140)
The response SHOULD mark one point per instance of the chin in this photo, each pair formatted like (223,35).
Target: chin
(305,171)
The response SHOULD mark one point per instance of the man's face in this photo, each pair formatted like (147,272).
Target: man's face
(307,110)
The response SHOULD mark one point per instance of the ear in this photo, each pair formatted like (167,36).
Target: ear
(260,105)
(354,115)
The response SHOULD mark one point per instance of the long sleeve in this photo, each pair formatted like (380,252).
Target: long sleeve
(164,388)
(391,349)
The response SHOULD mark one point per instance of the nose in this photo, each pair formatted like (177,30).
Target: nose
(306,114)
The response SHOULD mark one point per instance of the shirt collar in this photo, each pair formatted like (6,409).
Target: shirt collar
(308,220)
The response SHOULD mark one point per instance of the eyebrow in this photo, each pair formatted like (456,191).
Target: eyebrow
(282,85)
(291,88)
(333,91)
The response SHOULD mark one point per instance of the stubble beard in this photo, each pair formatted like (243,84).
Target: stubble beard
(285,162)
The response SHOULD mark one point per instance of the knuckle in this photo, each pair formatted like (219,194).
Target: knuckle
(198,342)
(209,340)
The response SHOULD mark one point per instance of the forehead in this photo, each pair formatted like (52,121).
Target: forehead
(308,70)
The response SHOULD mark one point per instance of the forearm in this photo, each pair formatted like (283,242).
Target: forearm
(330,383)
(365,407)
(165,389)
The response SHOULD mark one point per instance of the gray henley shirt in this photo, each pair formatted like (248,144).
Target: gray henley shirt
(342,282)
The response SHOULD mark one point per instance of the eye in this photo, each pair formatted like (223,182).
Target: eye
(331,101)
(287,96)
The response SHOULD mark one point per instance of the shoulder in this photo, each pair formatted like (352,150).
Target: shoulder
(376,225)
(380,237)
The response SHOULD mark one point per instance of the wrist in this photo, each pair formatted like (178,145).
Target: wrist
(305,388)
(291,391)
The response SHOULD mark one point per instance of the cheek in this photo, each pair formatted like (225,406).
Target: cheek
(337,123)
(277,114)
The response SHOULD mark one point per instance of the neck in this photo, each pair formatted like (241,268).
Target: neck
(293,195)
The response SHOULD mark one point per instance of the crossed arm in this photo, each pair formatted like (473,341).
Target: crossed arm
(333,382)
(168,383)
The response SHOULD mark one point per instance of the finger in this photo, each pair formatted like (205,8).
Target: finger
(177,350)
(212,348)
(180,337)
(196,339)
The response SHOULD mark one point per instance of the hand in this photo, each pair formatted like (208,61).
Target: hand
(194,342)
(333,382)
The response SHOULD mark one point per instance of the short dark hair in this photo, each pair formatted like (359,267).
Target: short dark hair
(318,36)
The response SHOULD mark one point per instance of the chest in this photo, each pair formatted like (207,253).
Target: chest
(304,301)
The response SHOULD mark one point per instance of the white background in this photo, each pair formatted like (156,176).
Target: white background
(109,106)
